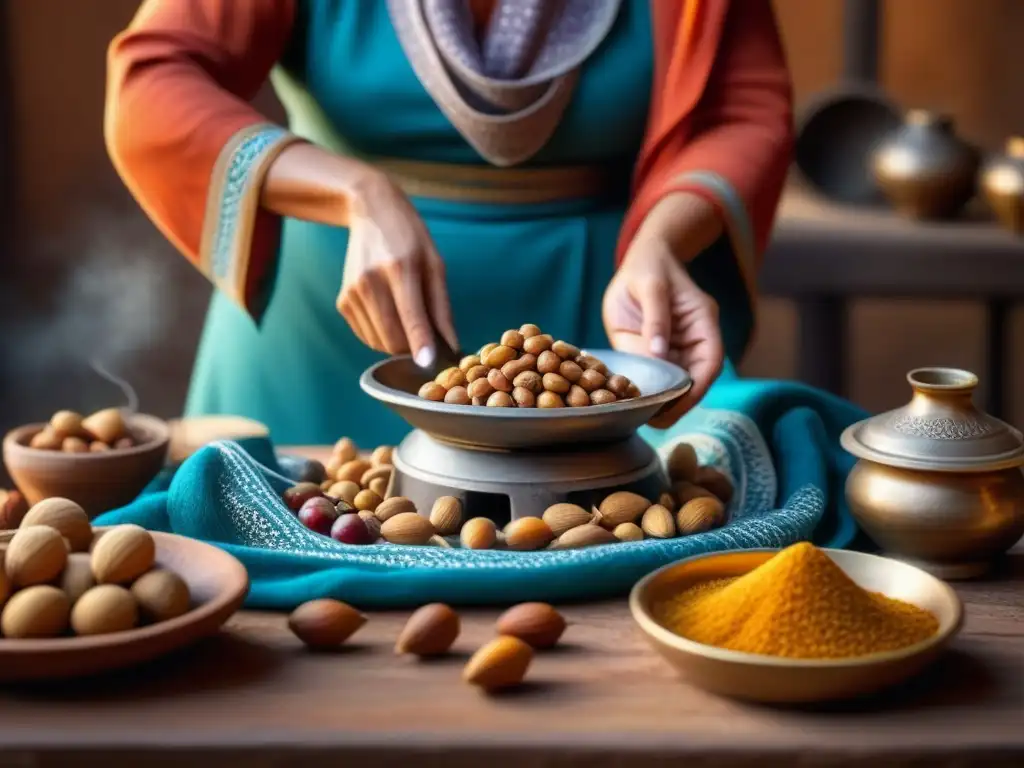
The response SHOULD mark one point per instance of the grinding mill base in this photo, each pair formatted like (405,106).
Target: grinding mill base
(512,484)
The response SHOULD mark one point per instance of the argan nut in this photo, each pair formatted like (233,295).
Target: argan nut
(537,344)
(530,380)
(682,463)
(550,400)
(161,595)
(590,363)
(633,391)
(68,423)
(74,445)
(718,483)
(658,522)
(484,351)
(529,330)
(478,533)
(104,609)
(699,515)
(538,625)
(622,507)
(325,623)
(469,361)
(106,425)
(97,447)
(366,500)
(451,377)
(499,381)
(477,372)
(446,515)
(513,368)
(396,505)
(602,397)
(667,501)
(372,524)
(628,532)
(584,536)
(345,450)
(565,350)
(498,356)
(548,362)
(685,491)
(353,470)
(47,440)
(407,528)
(527,533)
(123,554)
(481,388)
(35,612)
(64,515)
(561,517)
(500,400)
(345,490)
(499,664)
(591,380)
(379,485)
(555,383)
(513,339)
(457,396)
(577,397)
(36,554)
(618,385)
(524,398)
(430,631)
(77,578)
(432,391)
(569,371)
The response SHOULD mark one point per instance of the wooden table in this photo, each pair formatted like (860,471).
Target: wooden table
(254,697)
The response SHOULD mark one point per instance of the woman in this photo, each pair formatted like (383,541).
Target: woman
(471,165)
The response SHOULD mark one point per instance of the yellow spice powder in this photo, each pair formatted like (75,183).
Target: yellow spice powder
(799,604)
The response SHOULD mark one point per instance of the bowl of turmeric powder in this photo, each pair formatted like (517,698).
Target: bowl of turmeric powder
(797,625)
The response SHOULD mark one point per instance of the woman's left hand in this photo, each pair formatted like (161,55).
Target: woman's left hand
(653,307)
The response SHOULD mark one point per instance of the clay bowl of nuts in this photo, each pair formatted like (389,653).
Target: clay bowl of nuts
(77,600)
(529,390)
(102,461)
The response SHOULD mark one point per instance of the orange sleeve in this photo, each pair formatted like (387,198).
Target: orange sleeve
(734,146)
(182,135)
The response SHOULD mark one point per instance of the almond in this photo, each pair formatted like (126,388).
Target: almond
(352,470)
(325,623)
(628,532)
(686,491)
(407,528)
(35,555)
(106,425)
(682,463)
(658,523)
(537,624)
(667,501)
(499,664)
(622,507)
(715,481)
(430,631)
(64,515)
(561,517)
(396,505)
(446,515)
(699,515)
(584,536)
(345,450)
(479,533)
(527,533)
(381,456)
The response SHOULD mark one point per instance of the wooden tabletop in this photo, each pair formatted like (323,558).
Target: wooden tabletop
(253,696)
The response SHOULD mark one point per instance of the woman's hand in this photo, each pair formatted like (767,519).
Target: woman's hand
(652,306)
(393,291)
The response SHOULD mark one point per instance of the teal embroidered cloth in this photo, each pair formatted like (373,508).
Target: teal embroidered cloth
(778,441)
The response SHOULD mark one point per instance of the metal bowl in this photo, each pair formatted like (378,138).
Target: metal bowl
(396,382)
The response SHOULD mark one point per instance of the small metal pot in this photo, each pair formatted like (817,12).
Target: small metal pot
(1002,183)
(939,482)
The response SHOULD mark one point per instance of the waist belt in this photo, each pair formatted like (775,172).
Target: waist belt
(487,184)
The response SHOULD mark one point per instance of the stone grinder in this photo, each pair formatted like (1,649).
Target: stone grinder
(507,463)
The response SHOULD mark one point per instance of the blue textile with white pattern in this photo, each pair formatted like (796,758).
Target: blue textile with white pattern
(778,441)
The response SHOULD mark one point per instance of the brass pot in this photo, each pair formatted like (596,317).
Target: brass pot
(924,169)
(939,483)
(1002,184)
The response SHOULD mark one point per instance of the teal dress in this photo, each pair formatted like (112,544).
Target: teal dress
(347,85)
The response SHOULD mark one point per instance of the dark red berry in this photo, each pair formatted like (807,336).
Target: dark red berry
(350,529)
(299,494)
(318,515)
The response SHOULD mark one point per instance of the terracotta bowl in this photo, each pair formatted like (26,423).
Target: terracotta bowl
(218,584)
(98,481)
(770,679)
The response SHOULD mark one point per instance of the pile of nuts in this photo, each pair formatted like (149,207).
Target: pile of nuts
(72,433)
(58,575)
(350,506)
(529,369)
(432,630)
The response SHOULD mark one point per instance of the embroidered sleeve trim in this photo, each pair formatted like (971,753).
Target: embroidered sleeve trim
(232,205)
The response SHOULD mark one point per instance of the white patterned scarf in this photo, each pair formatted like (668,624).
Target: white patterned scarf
(506,92)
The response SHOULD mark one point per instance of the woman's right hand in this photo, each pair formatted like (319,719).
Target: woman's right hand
(393,292)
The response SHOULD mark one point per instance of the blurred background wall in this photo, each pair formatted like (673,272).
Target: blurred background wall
(84,274)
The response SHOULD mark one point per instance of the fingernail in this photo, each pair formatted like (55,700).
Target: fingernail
(425,357)
(659,347)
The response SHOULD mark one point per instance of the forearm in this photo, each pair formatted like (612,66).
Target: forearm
(686,222)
